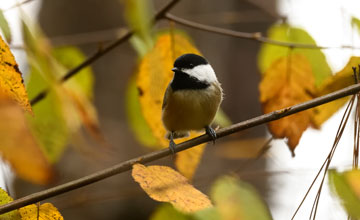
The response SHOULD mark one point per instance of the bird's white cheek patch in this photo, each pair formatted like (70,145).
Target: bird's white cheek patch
(202,73)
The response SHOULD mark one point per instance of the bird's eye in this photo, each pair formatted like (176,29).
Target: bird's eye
(192,65)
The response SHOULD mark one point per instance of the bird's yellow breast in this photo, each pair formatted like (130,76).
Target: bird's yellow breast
(191,109)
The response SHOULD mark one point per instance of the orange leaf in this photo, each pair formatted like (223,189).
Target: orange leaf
(45,211)
(164,184)
(341,79)
(18,146)
(11,82)
(287,82)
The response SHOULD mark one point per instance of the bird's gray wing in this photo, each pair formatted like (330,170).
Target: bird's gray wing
(166,96)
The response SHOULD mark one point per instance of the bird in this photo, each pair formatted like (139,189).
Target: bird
(191,99)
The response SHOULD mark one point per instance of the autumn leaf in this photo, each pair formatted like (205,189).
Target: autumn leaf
(340,80)
(61,112)
(18,146)
(11,82)
(347,187)
(153,76)
(287,82)
(136,119)
(5,199)
(269,53)
(235,199)
(164,184)
(45,211)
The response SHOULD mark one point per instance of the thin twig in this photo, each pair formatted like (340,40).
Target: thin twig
(125,166)
(125,36)
(257,36)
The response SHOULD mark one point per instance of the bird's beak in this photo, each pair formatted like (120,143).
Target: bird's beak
(174,69)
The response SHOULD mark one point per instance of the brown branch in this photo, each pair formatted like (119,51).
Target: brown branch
(125,166)
(257,36)
(125,36)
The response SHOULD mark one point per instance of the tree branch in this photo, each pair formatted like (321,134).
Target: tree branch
(125,166)
(257,36)
(125,36)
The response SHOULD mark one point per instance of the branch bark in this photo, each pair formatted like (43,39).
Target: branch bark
(125,166)
(126,35)
(257,36)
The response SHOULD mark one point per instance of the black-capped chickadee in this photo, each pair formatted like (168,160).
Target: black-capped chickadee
(191,99)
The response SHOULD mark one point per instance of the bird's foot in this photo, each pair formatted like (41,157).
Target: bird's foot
(211,132)
(172,144)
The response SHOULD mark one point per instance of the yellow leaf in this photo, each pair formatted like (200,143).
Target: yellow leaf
(164,184)
(11,82)
(248,148)
(187,161)
(5,199)
(288,81)
(340,80)
(45,211)
(19,147)
(154,74)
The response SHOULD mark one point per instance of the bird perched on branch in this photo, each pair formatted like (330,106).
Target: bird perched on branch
(191,99)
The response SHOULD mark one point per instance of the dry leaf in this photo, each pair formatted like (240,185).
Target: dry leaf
(154,75)
(340,80)
(164,184)
(18,146)
(46,211)
(287,82)
(11,82)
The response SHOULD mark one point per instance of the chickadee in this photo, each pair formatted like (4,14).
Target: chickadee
(191,99)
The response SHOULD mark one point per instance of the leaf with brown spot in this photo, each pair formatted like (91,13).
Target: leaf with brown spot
(11,82)
(153,76)
(340,80)
(5,199)
(164,184)
(287,82)
(18,146)
(45,211)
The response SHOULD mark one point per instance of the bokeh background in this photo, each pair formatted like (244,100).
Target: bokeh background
(69,22)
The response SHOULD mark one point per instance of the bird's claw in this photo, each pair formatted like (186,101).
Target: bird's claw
(211,132)
(172,144)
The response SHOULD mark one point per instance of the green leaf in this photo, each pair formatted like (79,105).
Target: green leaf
(83,81)
(222,119)
(5,199)
(48,124)
(347,187)
(285,33)
(235,199)
(139,14)
(135,117)
(166,211)
(4,26)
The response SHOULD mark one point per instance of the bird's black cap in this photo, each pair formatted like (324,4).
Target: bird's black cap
(189,60)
